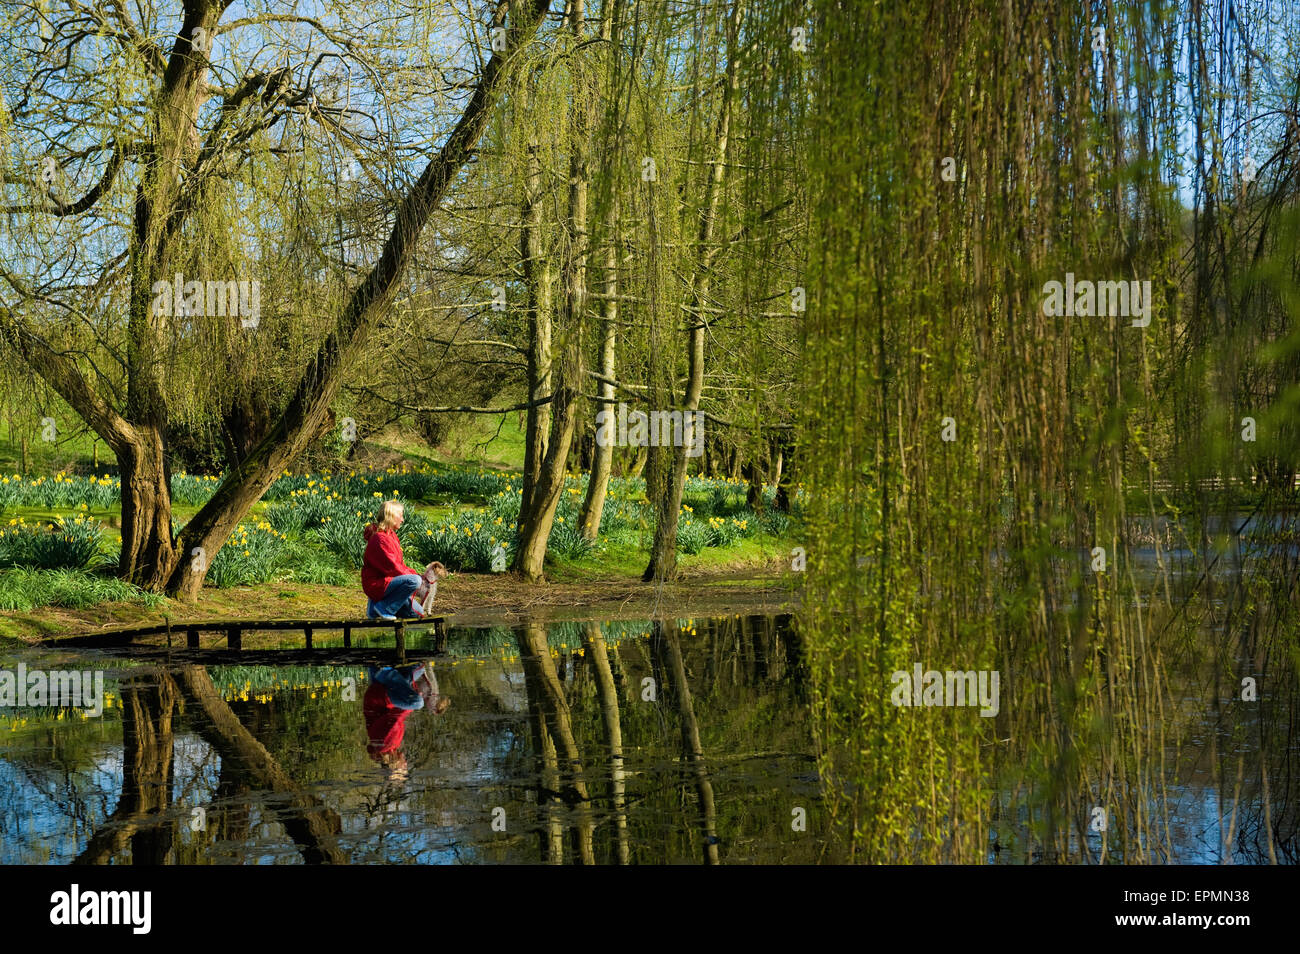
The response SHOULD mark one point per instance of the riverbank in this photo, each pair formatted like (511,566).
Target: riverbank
(464,599)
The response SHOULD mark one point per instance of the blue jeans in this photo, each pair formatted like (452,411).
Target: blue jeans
(397,598)
(400,684)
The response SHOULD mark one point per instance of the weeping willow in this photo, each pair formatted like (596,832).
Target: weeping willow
(986,464)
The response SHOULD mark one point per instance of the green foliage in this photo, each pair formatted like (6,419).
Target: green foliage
(692,535)
(58,492)
(66,543)
(251,555)
(463,542)
(23,590)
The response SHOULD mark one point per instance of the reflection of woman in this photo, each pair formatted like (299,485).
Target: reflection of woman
(385,577)
(393,694)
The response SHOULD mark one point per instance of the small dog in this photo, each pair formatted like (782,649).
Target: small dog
(422,598)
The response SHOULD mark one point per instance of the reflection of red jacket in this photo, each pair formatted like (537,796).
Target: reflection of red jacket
(385,723)
(382,562)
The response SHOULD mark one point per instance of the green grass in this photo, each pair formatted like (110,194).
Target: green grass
(481,443)
(43,457)
(23,589)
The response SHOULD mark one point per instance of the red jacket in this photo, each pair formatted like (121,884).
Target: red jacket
(382,562)
(385,723)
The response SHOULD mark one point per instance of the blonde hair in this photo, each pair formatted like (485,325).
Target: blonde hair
(389,513)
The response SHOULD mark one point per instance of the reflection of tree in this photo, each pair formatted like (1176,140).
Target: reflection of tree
(312,826)
(561,767)
(143,818)
(607,692)
(668,648)
(140,818)
(228,820)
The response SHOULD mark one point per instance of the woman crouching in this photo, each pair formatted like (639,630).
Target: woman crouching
(386,579)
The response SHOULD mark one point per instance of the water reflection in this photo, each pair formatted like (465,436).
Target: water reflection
(674,741)
(574,743)
(393,694)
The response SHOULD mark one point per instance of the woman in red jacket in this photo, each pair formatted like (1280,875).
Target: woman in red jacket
(386,579)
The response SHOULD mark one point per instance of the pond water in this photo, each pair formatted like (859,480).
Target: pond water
(685,741)
(629,742)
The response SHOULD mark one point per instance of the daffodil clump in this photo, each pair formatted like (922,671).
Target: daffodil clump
(320,503)
(251,555)
(463,542)
(413,483)
(74,542)
(724,531)
(59,491)
(193,489)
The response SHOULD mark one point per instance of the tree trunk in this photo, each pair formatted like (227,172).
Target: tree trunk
(148,555)
(537,285)
(245,423)
(536,521)
(663,551)
(784,470)
(593,505)
(754,474)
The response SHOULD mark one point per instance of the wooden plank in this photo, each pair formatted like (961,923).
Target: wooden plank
(117,637)
(347,637)
(191,637)
(399,631)
(234,637)
(307,633)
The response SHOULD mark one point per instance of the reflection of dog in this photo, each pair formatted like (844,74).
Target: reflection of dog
(422,598)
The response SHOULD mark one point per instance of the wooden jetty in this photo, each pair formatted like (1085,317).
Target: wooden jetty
(126,640)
